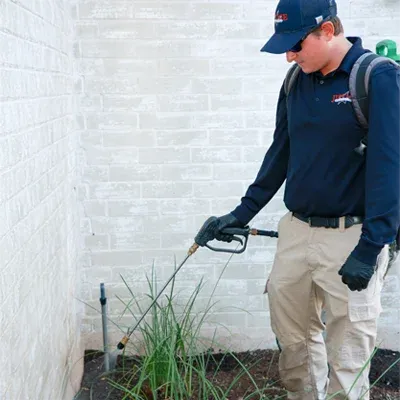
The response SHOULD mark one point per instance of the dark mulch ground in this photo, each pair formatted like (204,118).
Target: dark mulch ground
(265,373)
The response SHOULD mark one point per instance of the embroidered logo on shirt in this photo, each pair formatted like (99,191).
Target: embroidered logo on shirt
(342,98)
(279,18)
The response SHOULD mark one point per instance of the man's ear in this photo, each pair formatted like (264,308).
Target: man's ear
(328,30)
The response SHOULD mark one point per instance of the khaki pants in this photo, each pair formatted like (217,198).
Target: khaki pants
(304,279)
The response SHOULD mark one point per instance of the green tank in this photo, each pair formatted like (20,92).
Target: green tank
(388,48)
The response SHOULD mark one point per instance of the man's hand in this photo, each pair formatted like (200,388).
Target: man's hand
(212,229)
(226,221)
(356,274)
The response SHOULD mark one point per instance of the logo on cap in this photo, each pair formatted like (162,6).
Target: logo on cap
(279,18)
(319,19)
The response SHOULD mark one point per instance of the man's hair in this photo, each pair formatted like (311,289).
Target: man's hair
(337,25)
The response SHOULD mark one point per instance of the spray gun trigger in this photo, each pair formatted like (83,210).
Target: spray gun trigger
(237,239)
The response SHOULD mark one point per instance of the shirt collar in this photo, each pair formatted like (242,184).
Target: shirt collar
(352,55)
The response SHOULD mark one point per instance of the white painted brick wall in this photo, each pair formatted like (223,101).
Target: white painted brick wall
(177,110)
(39,229)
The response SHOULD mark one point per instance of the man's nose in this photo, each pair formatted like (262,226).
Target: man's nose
(290,56)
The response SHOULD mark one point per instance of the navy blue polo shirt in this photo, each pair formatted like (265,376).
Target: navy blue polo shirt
(313,150)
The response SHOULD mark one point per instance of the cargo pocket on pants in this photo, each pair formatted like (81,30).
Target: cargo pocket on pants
(363,306)
(366,305)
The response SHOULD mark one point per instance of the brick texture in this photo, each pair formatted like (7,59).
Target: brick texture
(39,233)
(177,108)
(124,125)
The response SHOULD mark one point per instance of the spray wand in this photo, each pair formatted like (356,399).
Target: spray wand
(205,235)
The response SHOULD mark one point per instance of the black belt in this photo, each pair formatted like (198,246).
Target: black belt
(325,222)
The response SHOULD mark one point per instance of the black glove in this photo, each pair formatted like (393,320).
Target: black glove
(212,228)
(356,274)
(226,221)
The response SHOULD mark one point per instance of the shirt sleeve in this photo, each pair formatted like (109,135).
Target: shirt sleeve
(273,170)
(382,186)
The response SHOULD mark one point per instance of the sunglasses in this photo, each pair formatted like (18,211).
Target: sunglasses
(297,47)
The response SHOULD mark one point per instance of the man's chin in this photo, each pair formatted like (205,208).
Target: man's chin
(306,69)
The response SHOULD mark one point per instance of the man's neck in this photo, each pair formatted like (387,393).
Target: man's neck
(339,51)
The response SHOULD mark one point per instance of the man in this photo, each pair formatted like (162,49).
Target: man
(343,207)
